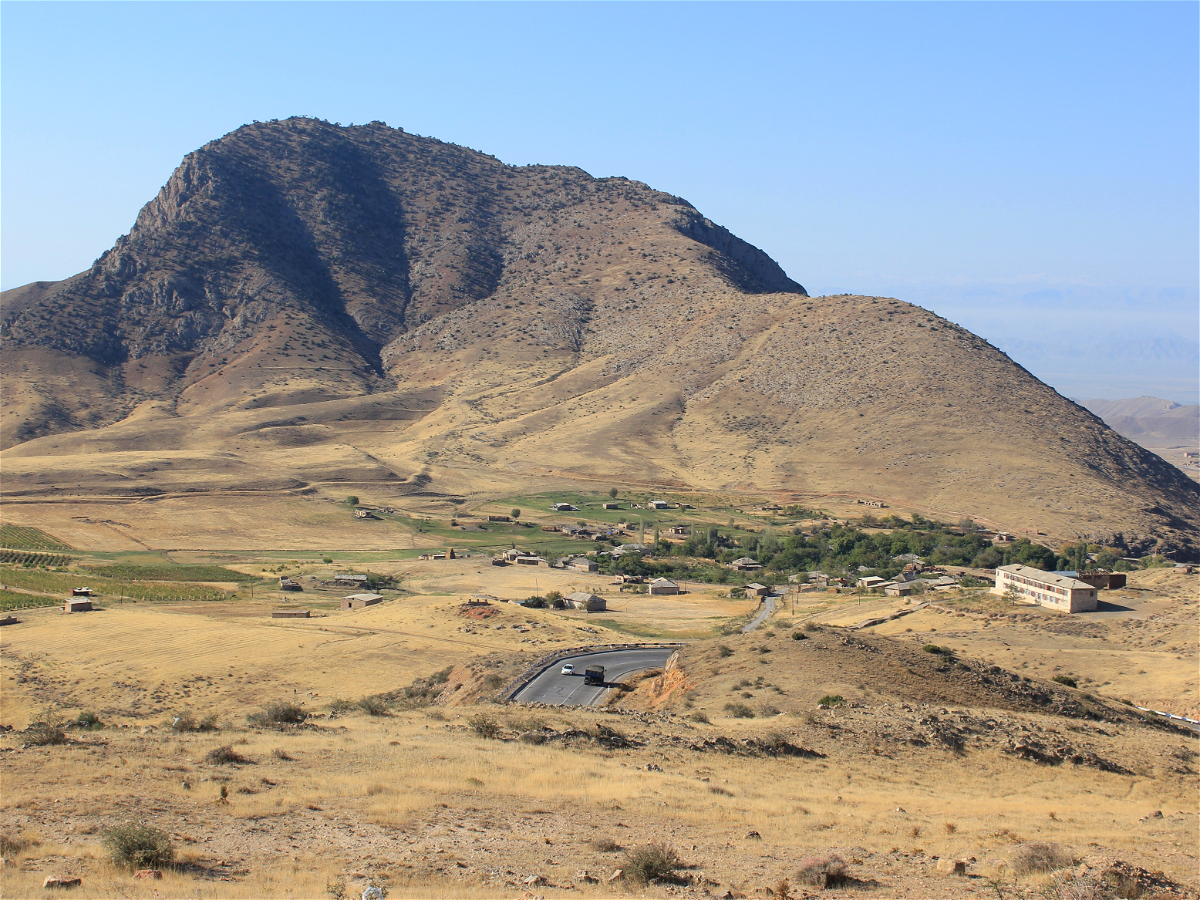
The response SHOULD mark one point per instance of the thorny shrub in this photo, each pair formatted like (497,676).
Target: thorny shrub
(823,871)
(225,756)
(45,734)
(276,713)
(186,722)
(1038,857)
(650,863)
(484,725)
(136,846)
(739,710)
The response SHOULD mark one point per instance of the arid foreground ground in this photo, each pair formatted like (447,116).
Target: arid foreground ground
(971,754)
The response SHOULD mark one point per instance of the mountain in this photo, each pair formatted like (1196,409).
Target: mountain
(305,305)
(1150,421)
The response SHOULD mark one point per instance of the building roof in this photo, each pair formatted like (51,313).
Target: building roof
(583,596)
(745,561)
(755,586)
(663,582)
(1062,581)
(364,597)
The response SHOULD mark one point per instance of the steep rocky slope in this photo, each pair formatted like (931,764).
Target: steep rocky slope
(327,304)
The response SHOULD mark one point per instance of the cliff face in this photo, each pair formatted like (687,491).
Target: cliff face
(328,303)
(369,231)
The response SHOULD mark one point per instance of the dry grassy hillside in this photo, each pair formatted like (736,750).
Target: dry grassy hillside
(306,306)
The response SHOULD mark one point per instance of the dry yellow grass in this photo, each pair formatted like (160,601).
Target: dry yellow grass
(419,801)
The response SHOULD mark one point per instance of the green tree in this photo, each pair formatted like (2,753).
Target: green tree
(515,513)
(612,492)
(352,500)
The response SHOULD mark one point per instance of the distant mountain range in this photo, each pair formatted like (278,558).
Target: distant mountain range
(306,305)
(1151,421)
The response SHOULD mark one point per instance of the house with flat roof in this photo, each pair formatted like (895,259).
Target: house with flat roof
(1047,589)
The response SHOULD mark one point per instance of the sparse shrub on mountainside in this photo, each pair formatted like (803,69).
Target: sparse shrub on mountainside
(651,863)
(799,636)
(186,722)
(278,713)
(422,692)
(47,733)
(1035,857)
(133,846)
(831,700)
(484,725)
(724,651)
(1066,679)
(606,845)
(89,721)
(374,706)
(700,717)
(823,871)
(225,756)
(739,710)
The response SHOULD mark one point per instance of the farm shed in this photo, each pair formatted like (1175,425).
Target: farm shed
(582,564)
(586,601)
(74,605)
(358,601)
(663,586)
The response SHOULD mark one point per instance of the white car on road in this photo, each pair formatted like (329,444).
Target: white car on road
(568,669)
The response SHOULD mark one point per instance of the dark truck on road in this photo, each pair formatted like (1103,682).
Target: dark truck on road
(593,675)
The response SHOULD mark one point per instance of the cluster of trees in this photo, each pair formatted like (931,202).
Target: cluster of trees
(839,548)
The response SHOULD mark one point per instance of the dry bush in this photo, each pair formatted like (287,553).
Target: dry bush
(186,722)
(739,710)
(374,706)
(484,725)
(606,845)
(280,753)
(136,846)
(45,734)
(1039,857)
(11,847)
(823,871)
(700,717)
(277,713)
(651,863)
(225,756)
(88,721)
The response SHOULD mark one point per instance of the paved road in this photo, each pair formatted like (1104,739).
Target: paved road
(768,608)
(551,686)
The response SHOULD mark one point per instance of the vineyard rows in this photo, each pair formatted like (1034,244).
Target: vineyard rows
(62,583)
(169,573)
(22,537)
(13,600)
(28,558)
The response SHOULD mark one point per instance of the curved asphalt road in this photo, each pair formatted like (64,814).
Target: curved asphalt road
(768,608)
(552,687)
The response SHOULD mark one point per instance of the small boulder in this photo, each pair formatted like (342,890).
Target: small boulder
(952,867)
(616,875)
(586,877)
(753,836)
(57,881)
(152,874)
(535,879)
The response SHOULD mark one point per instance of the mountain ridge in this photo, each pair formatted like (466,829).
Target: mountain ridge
(417,308)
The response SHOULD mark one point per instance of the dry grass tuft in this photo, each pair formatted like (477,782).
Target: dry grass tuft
(823,871)
(226,756)
(278,713)
(1037,857)
(187,723)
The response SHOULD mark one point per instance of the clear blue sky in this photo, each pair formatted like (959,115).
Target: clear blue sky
(1028,169)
